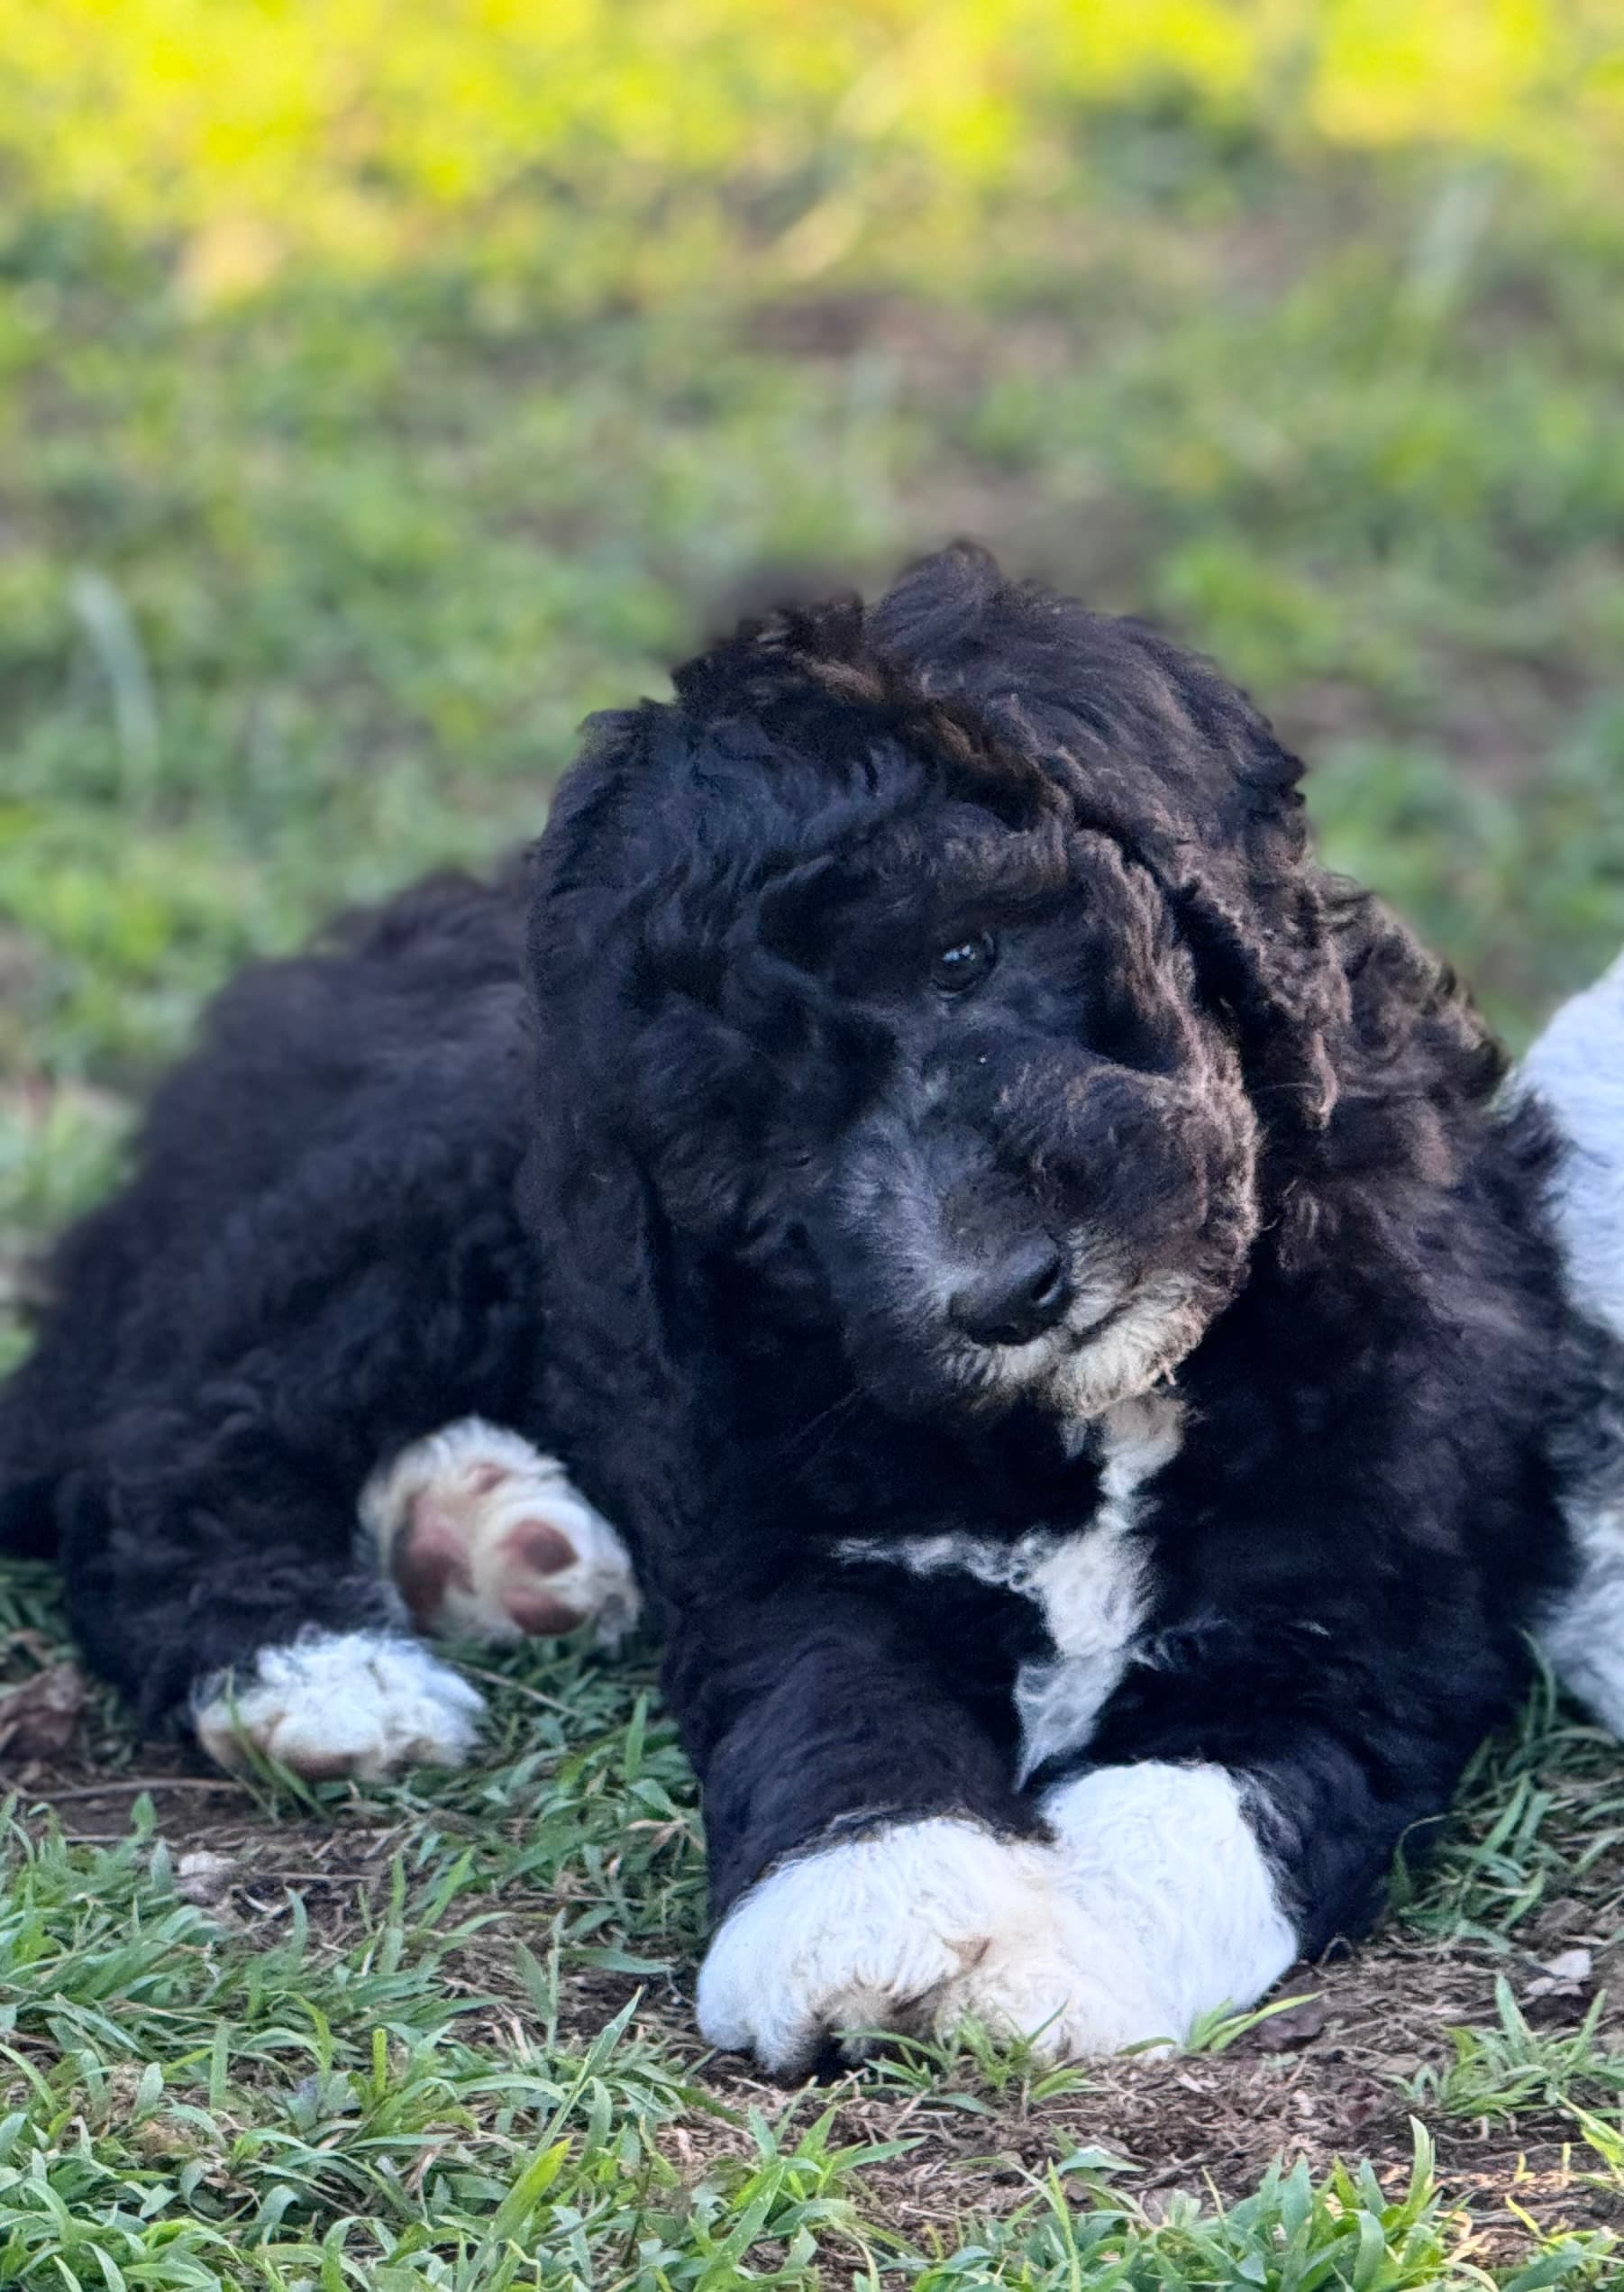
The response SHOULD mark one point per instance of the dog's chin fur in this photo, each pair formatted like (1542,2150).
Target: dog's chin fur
(1146,1339)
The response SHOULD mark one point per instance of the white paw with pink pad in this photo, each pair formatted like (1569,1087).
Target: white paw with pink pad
(487,1538)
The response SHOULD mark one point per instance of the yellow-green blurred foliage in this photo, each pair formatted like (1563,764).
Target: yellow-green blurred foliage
(385,383)
(791,134)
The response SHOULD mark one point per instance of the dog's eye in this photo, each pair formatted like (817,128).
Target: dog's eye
(955,970)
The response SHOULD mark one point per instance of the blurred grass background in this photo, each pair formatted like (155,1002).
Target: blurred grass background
(385,383)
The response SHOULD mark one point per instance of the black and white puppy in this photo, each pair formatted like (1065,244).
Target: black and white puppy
(1046,1284)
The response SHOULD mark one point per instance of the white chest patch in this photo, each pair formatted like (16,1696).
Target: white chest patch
(1091,1584)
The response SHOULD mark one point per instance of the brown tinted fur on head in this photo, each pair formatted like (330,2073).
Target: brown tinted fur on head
(1357,1042)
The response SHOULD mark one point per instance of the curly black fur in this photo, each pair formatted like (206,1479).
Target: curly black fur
(316,1260)
(772,1172)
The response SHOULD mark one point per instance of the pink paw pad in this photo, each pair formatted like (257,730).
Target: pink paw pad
(464,1564)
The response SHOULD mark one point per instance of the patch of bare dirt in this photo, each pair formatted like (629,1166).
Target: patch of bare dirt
(1323,2084)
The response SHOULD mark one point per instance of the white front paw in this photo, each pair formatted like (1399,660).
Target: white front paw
(916,1929)
(1165,1865)
(366,1704)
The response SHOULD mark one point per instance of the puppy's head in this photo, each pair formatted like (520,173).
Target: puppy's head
(948,969)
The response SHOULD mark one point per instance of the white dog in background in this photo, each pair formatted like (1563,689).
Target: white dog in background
(1577,1068)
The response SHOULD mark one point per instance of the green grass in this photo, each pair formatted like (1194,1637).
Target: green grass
(413,2082)
(304,591)
(1497,2072)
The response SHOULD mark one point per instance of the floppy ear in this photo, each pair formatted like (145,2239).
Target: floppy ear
(1261,937)
(1356,1041)
(631,1389)
(1238,872)
(592,1220)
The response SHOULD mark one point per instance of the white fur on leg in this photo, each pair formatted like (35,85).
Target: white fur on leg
(1163,1867)
(917,1928)
(365,1704)
(1577,1067)
(488,1538)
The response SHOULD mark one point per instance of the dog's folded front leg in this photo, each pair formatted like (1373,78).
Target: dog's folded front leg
(872,1862)
(874,1871)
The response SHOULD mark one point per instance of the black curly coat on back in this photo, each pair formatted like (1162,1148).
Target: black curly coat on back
(315,1260)
(763,1134)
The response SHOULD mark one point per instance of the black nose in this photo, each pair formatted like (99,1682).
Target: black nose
(1023,1296)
